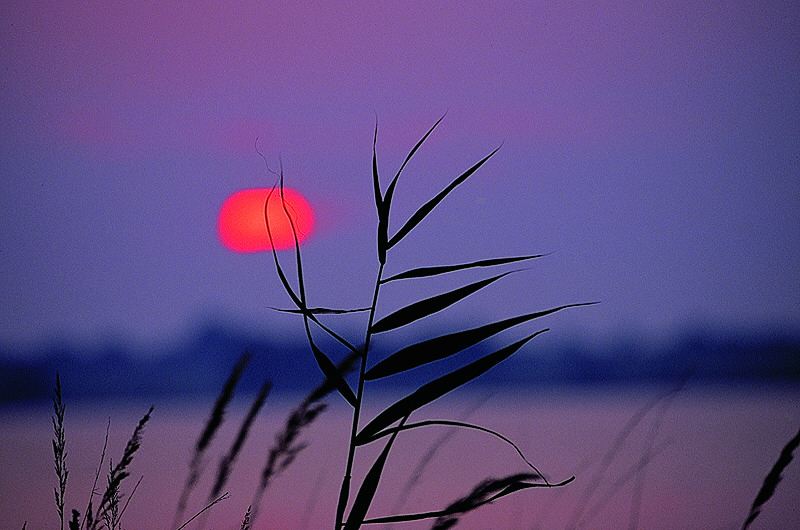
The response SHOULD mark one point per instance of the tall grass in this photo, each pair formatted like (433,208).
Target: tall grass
(356,494)
(108,513)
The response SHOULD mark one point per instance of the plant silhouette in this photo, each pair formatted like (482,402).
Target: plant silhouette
(395,418)
(354,504)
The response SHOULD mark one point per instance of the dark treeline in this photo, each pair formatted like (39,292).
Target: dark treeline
(196,367)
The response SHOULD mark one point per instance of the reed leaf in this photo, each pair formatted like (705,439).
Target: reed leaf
(279,269)
(461,424)
(368,488)
(312,313)
(387,199)
(383,213)
(437,388)
(321,310)
(302,305)
(433,271)
(323,361)
(431,305)
(505,486)
(384,203)
(330,371)
(426,208)
(445,346)
(376,181)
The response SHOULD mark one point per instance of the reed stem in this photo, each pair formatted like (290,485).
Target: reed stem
(344,493)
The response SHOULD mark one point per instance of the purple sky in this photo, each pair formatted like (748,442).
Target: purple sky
(654,149)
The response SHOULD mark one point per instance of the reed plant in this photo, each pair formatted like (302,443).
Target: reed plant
(354,502)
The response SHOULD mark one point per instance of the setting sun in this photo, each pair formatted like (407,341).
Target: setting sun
(242,226)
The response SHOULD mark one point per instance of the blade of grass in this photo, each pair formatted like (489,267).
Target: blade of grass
(88,511)
(128,500)
(622,480)
(431,305)
(445,346)
(437,388)
(772,479)
(426,208)
(615,449)
(423,272)
(246,520)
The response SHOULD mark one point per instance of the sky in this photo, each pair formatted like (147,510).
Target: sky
(652,148)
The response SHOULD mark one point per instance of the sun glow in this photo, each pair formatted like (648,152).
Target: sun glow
(242,225)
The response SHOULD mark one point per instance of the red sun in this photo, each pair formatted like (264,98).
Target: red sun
(242,226)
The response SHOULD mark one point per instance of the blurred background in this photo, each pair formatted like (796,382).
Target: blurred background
(651,151)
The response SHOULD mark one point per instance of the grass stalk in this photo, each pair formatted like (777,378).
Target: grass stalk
(208,506)
(110,498)
(246,520)
(209,431)
(88,512)
(59,449)
(227,462)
